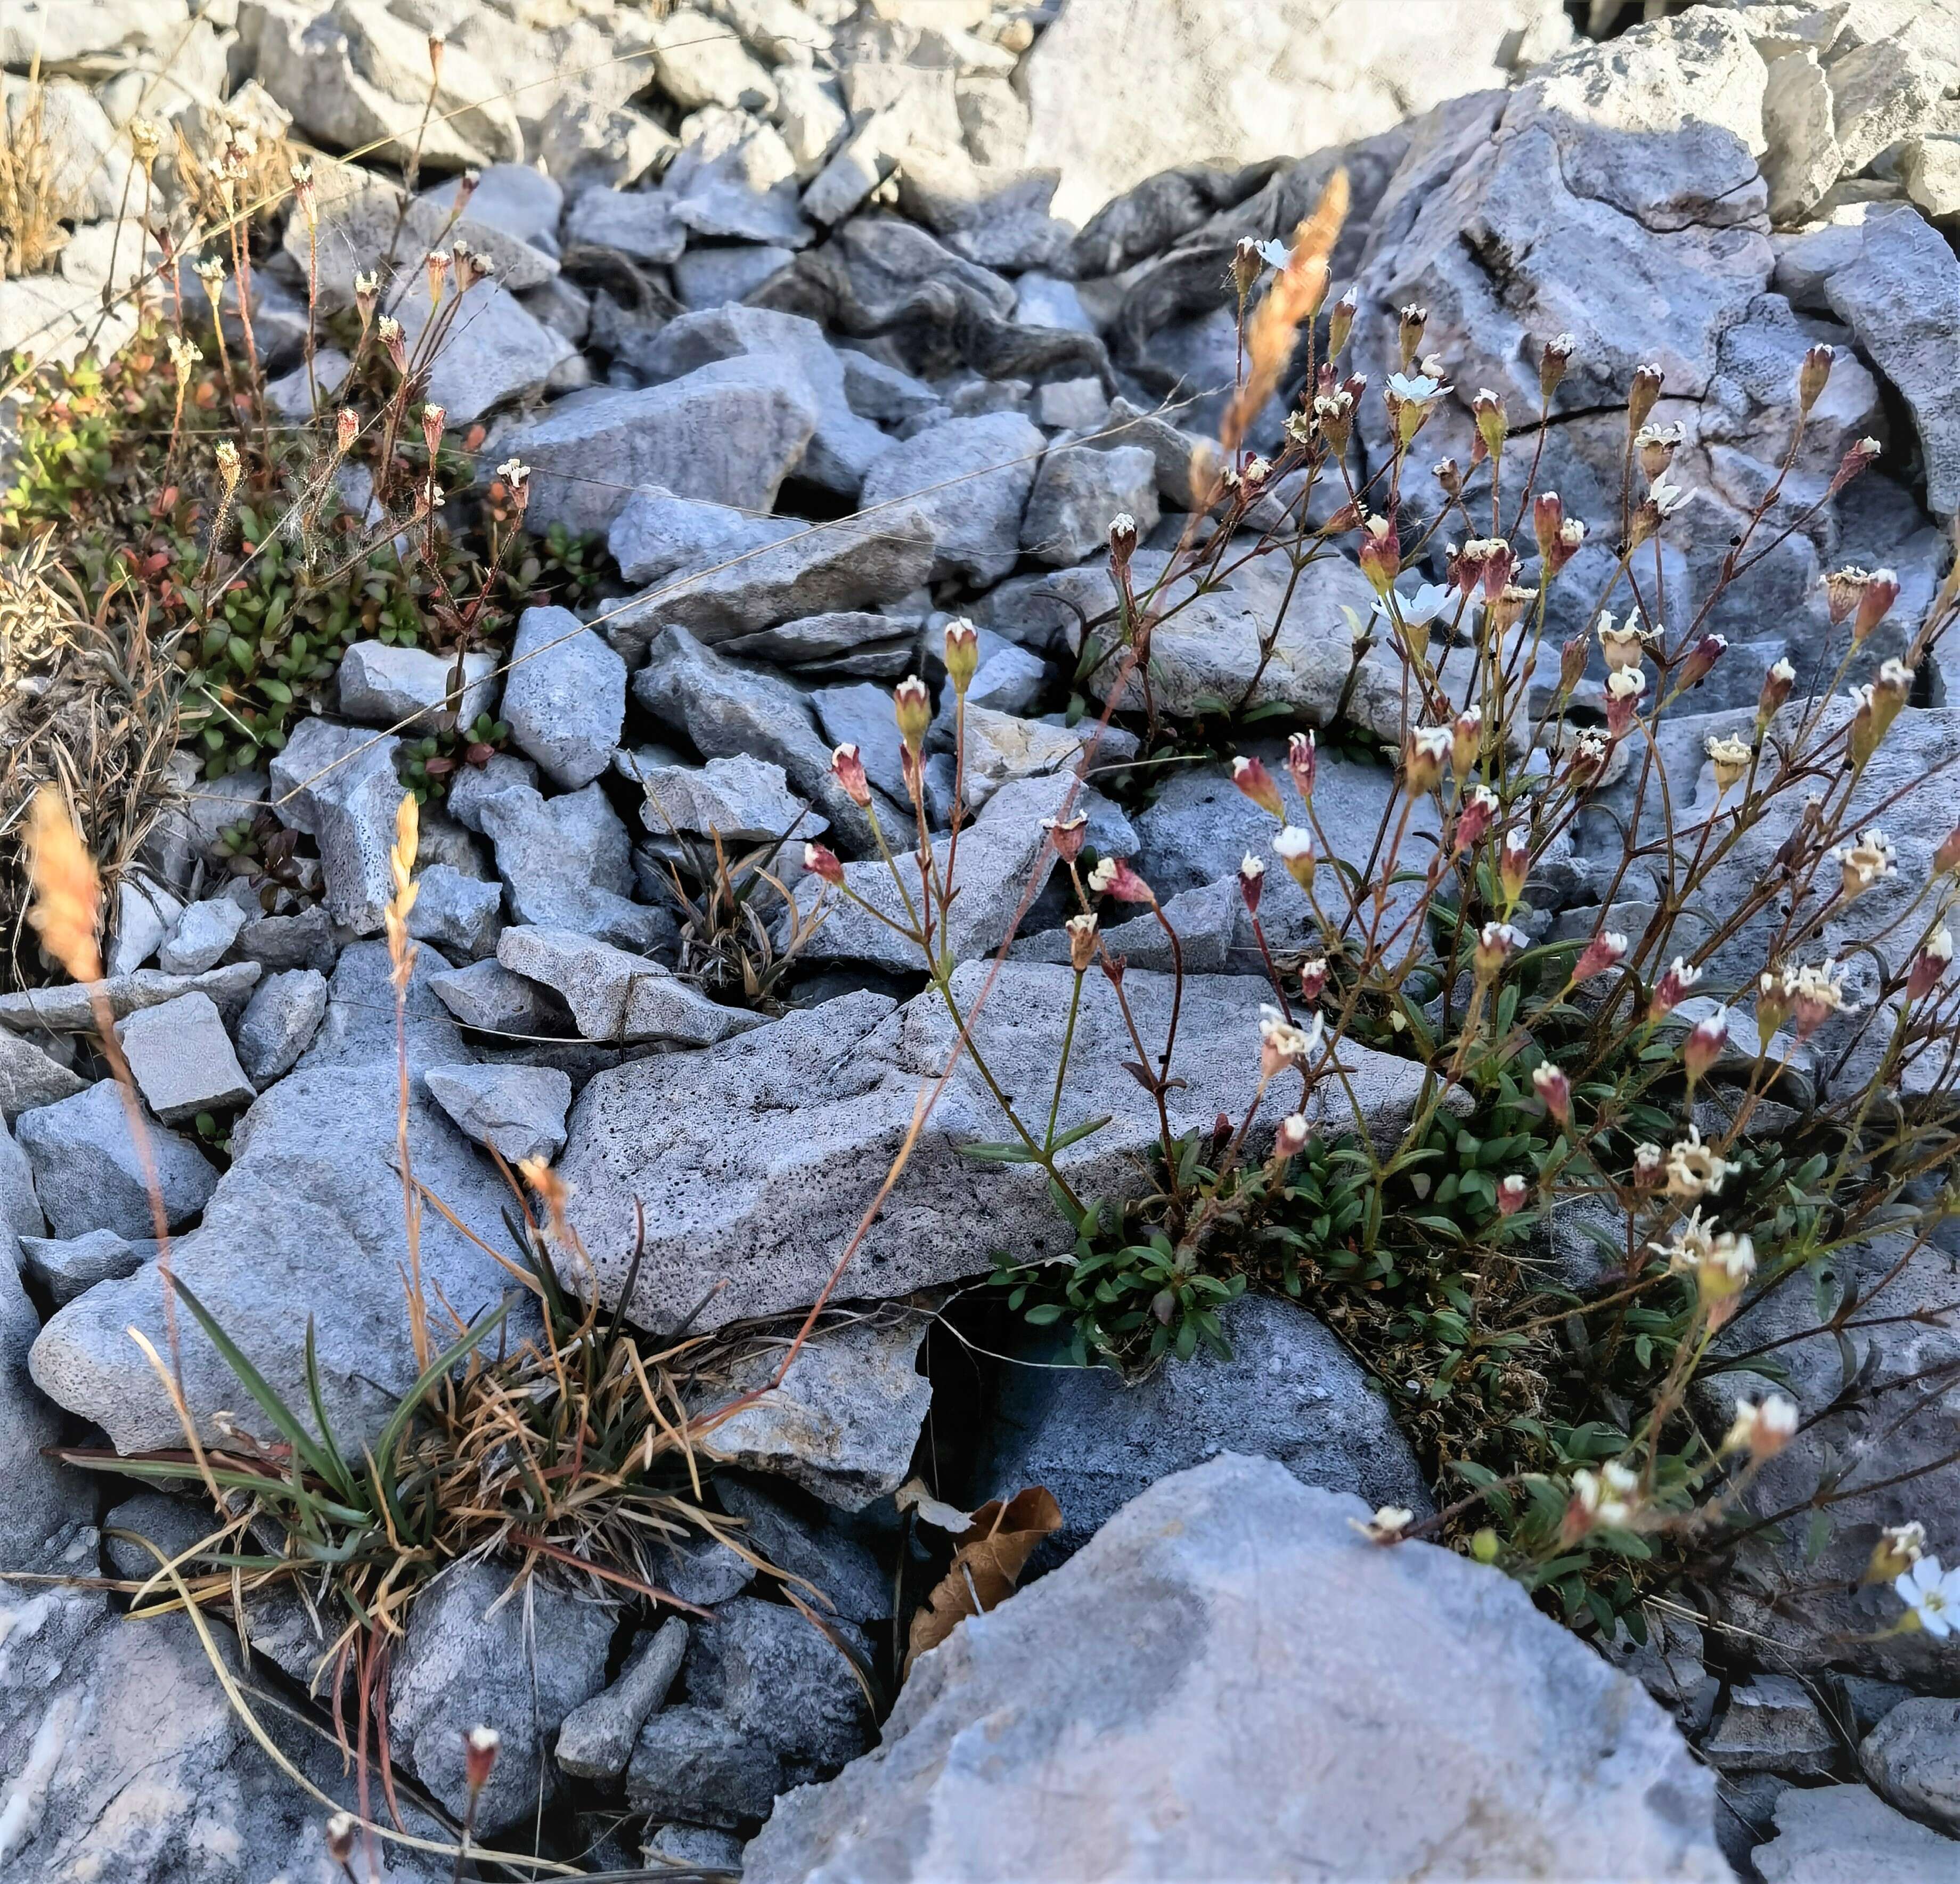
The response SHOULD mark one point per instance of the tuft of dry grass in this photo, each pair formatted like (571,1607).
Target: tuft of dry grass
(88,704)
(32,204)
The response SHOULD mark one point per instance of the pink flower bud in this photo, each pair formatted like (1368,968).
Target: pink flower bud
(1555,1090)
(479,1744)
(1947,858)
(1312,978)
(1122,538)
(1423,754)
(1496,944)
(1776,687)
(1606,950)
(1251,777)
(1572,658)
(1290,1138)
(1548,513)
(848,768)
(1474,818)
(1701,657)
(1930,966)
(1514,865)
(432,419)
(1875,604)
(1113,877)
(1671,989)
(1300,760)
(820,860)
(1251,881)
(1649,1167)
(1704,1043)
(346,427)
(912,706)
(1514,1191)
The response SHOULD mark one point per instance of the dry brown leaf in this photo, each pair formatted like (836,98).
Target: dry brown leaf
(987,1567)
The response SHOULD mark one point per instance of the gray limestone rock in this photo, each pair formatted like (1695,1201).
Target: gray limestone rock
(845,1419)
(1290,1392)
(70,1008)
(337,784)
(383,685)
(1771,1725)
(521,1666)
(565,699)
(618,997)
(181,1059)
(970,478)
(1847,1834)
(201,936)
(1079,492)
(487,996)
(66,1267)
(517,1111)
(755,1159)
(461,916)
(280,1021)
(597,1739)
(853,1584)
(1284,1698)
(29,1077)
(566,864)
(89,1172)
(1913,1757)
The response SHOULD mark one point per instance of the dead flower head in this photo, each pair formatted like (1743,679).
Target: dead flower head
(67,907)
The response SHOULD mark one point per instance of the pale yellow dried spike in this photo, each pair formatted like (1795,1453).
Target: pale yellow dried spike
(68,891)
(1295,296)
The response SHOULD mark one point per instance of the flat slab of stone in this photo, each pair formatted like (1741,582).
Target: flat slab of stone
(181,1059)
(754,1160)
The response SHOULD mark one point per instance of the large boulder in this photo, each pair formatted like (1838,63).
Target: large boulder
(1260,78)
(1282,1699)
(755,1159)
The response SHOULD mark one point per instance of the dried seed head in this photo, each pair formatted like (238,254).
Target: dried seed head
(1655,446)
(1341,323)
(66,908)
(1448,477)
(1843,589)
(185,355)
(1410,324)
(1731,757)
(227,455)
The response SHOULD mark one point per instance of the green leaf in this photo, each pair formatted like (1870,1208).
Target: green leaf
(998,1153)
(1076,1134)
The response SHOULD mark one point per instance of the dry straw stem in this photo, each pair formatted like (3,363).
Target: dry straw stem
(32,205)
(1292,299)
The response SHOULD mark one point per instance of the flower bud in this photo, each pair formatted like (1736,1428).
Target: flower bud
(847,765)
(436,262)
(1857,458)
(1514,866)
(1340,322)
(1649,1167)
(820,860)
(1448,477)
(1881,591)
(1641,395)
(479,1744)
(1282,1045)
(1424,754)
(1605,950)
(1900,1546)
(1671,989)
(1300,761)
(1930,966)
(435,46)
(1496,942)
(1380,553)
(1875,708)
(1409,325)
(1513,1193)
(1245,266)
(1572,663)
(1773,1001)
(1814,374)
(1626,687)
(1843,589)
(393,342)
(912,708)
(1113,877)
(1081,942)
(1553,1087)
(1474,816)
(1466,742)
(1655,447)
(1946,858)
(1776,684)
(1764,1431)
(1493,426)
(1122,538)
(1290,1139)
(343,1830)
(1704,1043)
(1312,978)
(432,419)
(364,286)
(1251,777)
(1570,538)
(1251,881)
(1701,659)
(1552,363)
(1294,848)
(962,654)
(346,428)
(1066,834)
(1548,513)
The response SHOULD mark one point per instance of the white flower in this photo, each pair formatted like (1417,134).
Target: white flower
(1273,254)
(1626,683)
(1666,497)
(1931,1595)
(513,471)
(1607,1497)
(1416,389)
(1251,867)
(1418,610)
(1762,1430)
(1695,1169)
(1387,1526)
